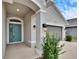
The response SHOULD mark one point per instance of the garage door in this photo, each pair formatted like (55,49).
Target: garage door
(55,29)
(71,31)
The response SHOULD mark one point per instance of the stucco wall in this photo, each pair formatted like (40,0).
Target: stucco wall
(27,28)
(52,16)
(4,30)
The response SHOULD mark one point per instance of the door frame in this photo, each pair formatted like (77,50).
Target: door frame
(22,29)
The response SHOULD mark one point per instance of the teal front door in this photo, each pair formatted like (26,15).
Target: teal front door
(15,32)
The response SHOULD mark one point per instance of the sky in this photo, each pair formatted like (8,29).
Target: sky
(68,8)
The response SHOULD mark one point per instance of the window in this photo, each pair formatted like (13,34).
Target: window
(14,20)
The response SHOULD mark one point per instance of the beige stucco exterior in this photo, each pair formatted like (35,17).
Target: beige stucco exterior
(40,13)
(27,28)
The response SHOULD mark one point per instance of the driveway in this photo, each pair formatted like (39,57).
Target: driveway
(71,50)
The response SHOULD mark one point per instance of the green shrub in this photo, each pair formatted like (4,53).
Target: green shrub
(51,47)
(68,38)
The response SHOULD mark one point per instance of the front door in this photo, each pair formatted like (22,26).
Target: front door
(15,32)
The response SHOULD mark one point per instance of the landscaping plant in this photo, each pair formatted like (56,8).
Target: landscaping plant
(68,38)
(51,48)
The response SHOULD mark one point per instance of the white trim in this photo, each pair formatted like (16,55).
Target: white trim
(36,3)
(71,25)
(41,10)
(14,42)
(33,43)
(63,33)
(55,24)
(8,21)
(15,23)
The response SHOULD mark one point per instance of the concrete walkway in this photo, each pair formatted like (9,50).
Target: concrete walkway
(21,51)
(71,50)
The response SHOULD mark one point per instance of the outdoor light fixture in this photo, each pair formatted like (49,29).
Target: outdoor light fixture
(17,10)
(44,27)
(34,26)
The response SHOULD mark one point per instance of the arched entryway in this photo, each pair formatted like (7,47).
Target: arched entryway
(29,3)
(14,30)
(17,14)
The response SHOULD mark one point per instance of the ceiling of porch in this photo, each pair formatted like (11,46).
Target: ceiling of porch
(17,9)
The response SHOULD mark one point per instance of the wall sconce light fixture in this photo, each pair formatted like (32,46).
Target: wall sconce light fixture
(44,25)
(34,26)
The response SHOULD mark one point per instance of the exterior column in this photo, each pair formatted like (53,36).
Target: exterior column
(63,33)
(39,30)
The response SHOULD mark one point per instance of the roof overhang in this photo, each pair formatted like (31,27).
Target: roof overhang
(71,26)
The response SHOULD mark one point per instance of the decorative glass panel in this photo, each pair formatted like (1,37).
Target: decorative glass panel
(14,20)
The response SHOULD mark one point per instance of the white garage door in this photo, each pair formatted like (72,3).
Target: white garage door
(55,29)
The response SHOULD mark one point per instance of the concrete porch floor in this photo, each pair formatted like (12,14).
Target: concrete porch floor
(19,51)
